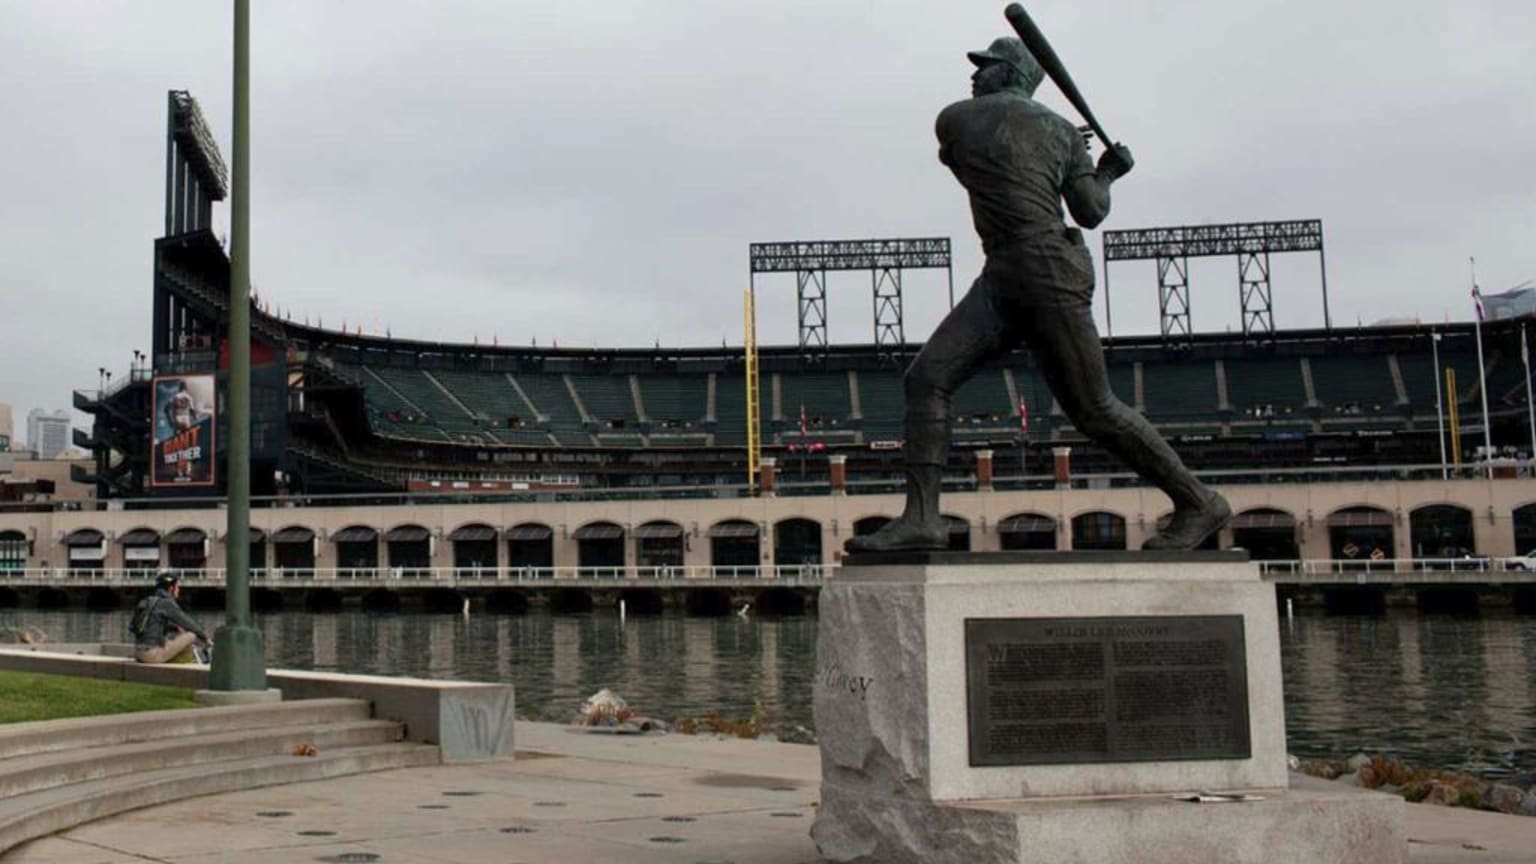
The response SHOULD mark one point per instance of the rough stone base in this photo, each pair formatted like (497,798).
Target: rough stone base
(1294,826)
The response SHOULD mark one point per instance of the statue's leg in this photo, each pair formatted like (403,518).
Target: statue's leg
(972,333)
(1066,344)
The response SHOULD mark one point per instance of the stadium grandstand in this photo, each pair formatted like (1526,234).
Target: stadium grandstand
(1337,431)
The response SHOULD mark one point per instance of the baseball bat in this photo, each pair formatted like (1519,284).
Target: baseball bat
(1039,46)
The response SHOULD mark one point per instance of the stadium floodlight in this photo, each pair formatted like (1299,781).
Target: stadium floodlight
(1251,242)
(191,133)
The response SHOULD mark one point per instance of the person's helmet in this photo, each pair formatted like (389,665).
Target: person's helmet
(1011,50)
(166,579)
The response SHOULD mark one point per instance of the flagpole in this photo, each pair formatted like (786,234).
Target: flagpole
(1530,407)
(1482,372)
(1434,343)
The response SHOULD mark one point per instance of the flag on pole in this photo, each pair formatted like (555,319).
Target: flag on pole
(1023,417)
(803,426)
(1477,300)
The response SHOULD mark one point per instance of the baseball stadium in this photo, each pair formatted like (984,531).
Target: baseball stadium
(1373,465)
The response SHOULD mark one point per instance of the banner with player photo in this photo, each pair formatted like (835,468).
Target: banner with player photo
(182,450)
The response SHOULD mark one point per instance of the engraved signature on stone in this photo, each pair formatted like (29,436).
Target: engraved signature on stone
(834,678)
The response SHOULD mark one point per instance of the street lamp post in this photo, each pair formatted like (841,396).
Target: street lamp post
(238,662)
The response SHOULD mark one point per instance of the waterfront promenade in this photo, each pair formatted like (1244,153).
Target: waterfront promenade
(572,797)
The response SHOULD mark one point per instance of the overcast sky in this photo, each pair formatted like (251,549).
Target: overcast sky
(592,173)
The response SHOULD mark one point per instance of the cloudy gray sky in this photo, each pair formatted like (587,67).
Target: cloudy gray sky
(593,173)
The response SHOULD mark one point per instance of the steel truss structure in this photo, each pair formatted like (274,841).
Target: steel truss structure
(1251,242)
(886,260)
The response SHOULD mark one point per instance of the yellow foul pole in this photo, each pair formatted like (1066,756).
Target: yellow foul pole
(754,402)
(1450,389)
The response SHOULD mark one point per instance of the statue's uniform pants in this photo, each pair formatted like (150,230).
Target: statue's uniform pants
(1036,292)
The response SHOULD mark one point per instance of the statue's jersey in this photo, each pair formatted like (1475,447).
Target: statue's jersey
(1014,156)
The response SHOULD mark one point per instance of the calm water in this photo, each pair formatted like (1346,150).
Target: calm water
(1442,692)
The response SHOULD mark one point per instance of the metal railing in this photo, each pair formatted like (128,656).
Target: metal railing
(1387,571)
(448,577)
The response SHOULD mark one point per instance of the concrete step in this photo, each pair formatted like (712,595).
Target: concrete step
(36,772)
(21,739)
(28,817)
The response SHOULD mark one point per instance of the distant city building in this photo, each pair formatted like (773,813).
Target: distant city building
(1517,303)
(47,434)
(7,430)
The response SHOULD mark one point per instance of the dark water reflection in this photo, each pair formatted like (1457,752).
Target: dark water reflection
(1443,692)
(1455,693)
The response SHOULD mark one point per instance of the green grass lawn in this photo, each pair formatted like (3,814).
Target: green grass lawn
(25,696)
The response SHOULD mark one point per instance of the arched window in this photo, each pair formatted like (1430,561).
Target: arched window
(474,547)
(734,543)
(1361,534)
(1027,531)
(293,551)
(1267,533)
(410,550)
(13,551)
(357,551)
(797,543)
(1098,530)
(599,545)
(659,544)
(530,547)
(1441,531)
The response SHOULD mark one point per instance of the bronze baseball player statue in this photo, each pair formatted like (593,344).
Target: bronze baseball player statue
(1018,161)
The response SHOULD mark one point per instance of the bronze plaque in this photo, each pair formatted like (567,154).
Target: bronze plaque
(1047,691)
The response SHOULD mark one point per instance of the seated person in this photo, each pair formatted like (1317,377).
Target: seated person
(162,633)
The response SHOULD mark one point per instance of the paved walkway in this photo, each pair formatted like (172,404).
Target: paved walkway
(574,797)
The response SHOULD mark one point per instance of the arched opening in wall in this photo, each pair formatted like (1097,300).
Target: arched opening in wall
(141,549)
(87,550)
(381,600)
(9,599)
(1211,543)
(443,601)
(410,551)
(959,532)
(797,543)
(266,600)
(474,549)
(203,599)
(643,601)
(102,599)
(1360,535)
(13,551)
(658,546)
(869,525)
(357,553)
(600,549)
(507,602)
(1459,600)
(1525,530)
(1441,531)
(779,601)
(530,549)
(734,544)
(1267,533)
(570,601)
(1098,530)
(322,600)
(52,598)
(708,602)
(186,550)
(1027,532)
(293,552)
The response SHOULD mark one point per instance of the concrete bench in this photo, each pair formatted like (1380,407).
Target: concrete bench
(468,721)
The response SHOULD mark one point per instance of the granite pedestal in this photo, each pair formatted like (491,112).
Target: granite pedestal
(1054,707)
